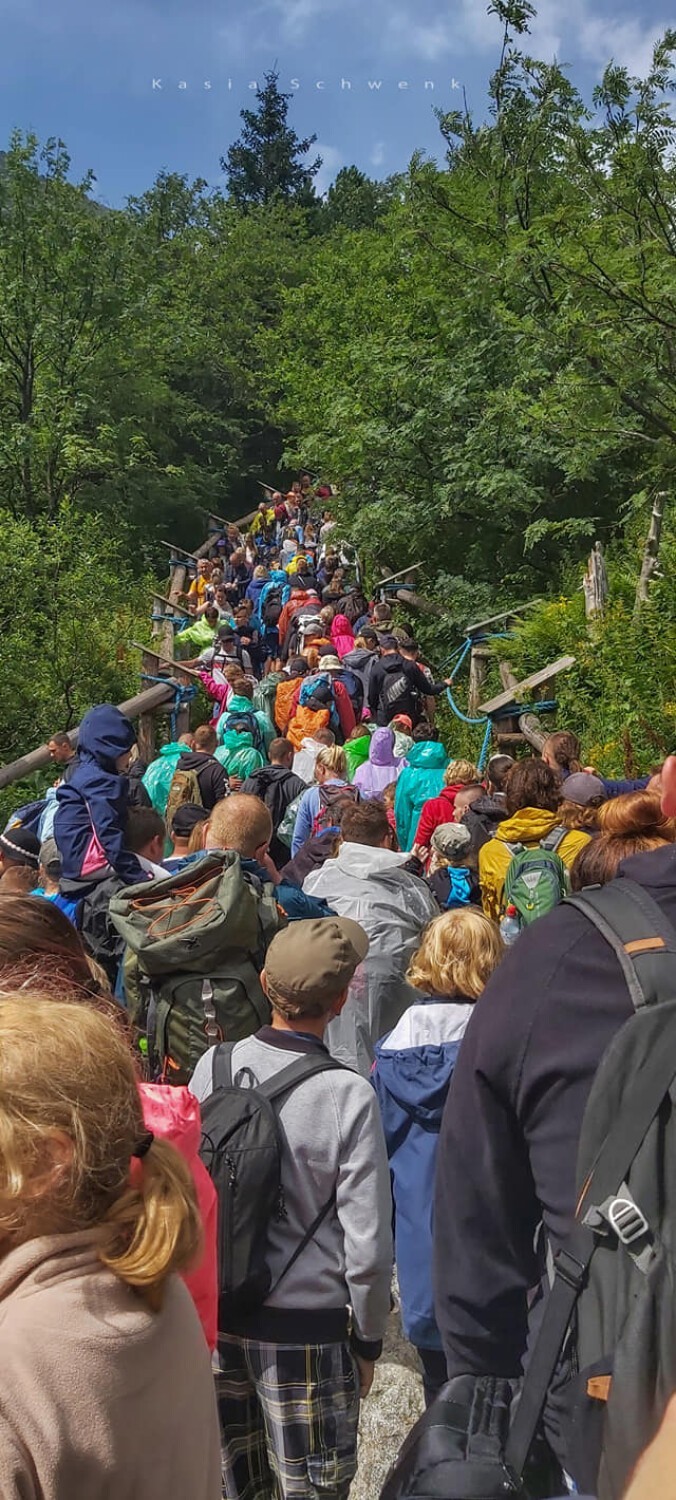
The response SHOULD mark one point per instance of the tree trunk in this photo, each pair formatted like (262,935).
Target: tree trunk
(651,550)
(595,585)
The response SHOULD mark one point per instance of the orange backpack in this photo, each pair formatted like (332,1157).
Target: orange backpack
(305,723)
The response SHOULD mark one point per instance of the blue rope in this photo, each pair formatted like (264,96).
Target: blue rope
(183,695)
(481,763)
(460,715)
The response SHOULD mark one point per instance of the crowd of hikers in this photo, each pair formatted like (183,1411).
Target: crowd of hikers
(308,1014)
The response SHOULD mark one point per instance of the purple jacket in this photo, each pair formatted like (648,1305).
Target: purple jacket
(382,766)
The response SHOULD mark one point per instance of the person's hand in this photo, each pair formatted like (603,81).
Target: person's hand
(236,783)
(366,1372)
(269,865)
(448,682)
(590,770)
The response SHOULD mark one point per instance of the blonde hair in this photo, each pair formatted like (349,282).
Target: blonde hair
(461,773)
(70,1119)
(332,757)
(457,955)
(240,822)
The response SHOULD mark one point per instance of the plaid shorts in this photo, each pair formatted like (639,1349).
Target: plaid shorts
(289,1415)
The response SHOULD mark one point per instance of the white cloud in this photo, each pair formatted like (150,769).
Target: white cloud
(378,154)
(332,161)
(571,30)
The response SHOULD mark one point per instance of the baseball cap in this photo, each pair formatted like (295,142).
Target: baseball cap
(186,817)
(451,838)
(50,858)
(583,788)
(20,846)
(314,960)
(388,642)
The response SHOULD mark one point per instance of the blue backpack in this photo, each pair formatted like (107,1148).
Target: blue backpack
(460,893)
(247,717)
(317,693)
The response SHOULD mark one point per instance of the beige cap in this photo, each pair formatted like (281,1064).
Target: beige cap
(310,961)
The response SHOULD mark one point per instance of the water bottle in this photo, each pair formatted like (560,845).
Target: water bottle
(510,926)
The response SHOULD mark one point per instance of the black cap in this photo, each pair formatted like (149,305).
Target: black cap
(388,642)
(186,817)
(20,846)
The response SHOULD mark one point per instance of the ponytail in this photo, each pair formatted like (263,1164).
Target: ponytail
(154,1228)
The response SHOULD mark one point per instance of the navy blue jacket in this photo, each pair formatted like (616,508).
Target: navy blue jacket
(92,806)
(411,1077)
(297,906)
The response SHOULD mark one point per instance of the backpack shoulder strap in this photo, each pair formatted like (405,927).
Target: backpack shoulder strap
(221,1068)
(554,840)
(297,1072)
(640,934)
(571,1265)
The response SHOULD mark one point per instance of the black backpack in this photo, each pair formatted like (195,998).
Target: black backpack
(248,718)
(242,1152)
(610,1306)
(272,606)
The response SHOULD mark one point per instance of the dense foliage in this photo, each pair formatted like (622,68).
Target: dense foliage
(481,354)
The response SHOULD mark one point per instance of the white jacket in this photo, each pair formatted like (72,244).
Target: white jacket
(393,907)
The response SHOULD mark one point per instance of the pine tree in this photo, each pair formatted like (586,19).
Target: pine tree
(267,162)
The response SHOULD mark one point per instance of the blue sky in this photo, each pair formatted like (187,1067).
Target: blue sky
(84,70)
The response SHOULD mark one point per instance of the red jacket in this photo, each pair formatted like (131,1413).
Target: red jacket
(438,810)
(297,601)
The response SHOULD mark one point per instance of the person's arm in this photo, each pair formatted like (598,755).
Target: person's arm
(364,1208)
(486,1212)
(422,684)
(402,810)
(216,690)
(620,788)
(344,709)
(304,821)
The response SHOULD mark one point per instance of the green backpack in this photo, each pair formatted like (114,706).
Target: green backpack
(537,879)
(199,939)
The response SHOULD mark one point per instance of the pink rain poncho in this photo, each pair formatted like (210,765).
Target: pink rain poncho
(342,635)
(382,766)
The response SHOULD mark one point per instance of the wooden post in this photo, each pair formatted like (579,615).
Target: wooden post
(651,550)
(595,585)
(478,666)
(146,724)
(529,724)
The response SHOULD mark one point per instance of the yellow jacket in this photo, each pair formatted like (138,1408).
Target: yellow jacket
(528,827)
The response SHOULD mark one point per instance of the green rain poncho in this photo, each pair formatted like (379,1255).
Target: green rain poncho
(160,774)
(238,756)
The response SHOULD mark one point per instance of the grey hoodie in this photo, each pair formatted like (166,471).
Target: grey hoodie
(333,1142)
(393,907)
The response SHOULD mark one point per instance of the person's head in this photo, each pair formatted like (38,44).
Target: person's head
(499,767)
(331,764)
(367,640)
(403,724)
(381,614)
(186,819)
(60,749)
(211,616)
(633,824)
(220,596)
(216,575)
(242,823)
(17,880)
(41,950)
(204,567)
(186,739)
(244,688)
(19,847)
(238,557)
(461,773)
(107,737)
(71,1124)
(388,645)
(144,833)
(450,846)
(234,674)
(324,737)
(49,873)
(388,795)
(309,966)
(205,739)
(457,955)
(464,800)
(562,751)
(424,733)
(366,823)
(582,796)
(281,753)
(297,667)
(260,571)
(327,616)
(531,783)
(408,647)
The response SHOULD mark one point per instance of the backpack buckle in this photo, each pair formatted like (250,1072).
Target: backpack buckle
(626,1219)
(570,1270)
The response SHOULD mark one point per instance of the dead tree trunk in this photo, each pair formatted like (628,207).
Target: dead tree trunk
(595,585)
(651,550)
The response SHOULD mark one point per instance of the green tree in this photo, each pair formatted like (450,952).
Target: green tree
(356,201)
(268,161)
